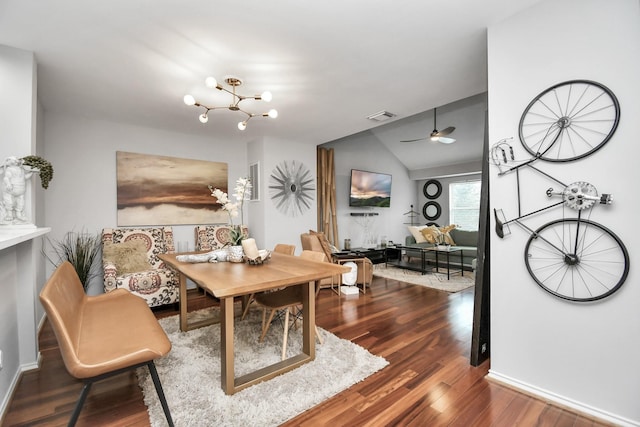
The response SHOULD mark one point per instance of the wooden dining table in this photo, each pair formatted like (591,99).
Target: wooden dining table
(227,280)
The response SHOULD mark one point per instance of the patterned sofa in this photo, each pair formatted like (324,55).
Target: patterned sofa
(212,237)
(129,260)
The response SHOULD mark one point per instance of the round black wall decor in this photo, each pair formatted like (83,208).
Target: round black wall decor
(432,189)
(431,210)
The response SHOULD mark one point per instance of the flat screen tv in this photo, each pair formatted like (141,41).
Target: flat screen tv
(370,189)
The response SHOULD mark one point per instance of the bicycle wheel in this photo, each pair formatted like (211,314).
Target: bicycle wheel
(576,259)
(569,121)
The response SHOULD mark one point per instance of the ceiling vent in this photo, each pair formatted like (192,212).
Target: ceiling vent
(381,116)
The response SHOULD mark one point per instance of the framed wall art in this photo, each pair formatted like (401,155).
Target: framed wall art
(160,190)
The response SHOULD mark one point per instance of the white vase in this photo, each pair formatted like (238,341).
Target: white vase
(236,254)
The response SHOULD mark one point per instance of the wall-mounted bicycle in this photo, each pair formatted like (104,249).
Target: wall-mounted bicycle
(572,258)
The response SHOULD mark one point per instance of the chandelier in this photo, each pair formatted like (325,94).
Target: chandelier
(234,82)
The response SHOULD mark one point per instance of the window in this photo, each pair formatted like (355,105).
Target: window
(464,204)
(254,177)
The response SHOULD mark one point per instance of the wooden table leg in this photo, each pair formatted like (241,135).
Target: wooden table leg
(182,289)
(183,309)
(226,345)
(309,319)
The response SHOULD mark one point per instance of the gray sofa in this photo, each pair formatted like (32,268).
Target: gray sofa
(467,240)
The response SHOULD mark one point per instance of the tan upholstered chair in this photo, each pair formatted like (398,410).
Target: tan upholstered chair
(313,242)
(94,341)
(130,261)
(313,255)
(212,237)
(285,249)
(287,301)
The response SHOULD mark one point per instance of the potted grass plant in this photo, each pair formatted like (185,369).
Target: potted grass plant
(79,248)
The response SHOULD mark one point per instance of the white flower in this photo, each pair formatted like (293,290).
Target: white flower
(220,195)
(242,191)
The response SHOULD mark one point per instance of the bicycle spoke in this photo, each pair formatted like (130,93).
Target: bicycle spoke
(596,132)
(589,113)
(568,99)
(547,131)
(575,105)
(562,240)
(550,110)
(584,283)
(588,105)
(557,266)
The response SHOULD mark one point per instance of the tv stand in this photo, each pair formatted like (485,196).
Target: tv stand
(376,255)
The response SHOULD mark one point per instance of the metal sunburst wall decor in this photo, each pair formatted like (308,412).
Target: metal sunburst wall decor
(291,187)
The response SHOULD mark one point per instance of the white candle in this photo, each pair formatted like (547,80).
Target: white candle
(250,248)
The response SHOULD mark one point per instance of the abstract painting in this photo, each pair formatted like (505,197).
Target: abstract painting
(160,190)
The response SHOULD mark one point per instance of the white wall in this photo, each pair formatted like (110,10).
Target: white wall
(82,194)
(17,79)
(581,355)
(280,227)
(365,152)
(21,265)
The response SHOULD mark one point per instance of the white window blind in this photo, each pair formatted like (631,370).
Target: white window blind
(464,204)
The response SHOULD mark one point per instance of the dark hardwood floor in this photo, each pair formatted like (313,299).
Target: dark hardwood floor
(423,333)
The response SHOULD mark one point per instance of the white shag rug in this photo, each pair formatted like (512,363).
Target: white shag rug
(190,375)
(434,280)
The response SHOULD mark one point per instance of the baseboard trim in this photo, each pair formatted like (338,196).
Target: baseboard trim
(9,396)
(18,374)
(561,401)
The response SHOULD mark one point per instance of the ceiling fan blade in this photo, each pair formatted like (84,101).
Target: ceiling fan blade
(446,131)
(446,140)
(414,140)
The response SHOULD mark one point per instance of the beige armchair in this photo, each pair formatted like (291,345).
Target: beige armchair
(318,242)
(129,260)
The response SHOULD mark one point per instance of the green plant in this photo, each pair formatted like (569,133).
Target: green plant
(44,166)
(80,249)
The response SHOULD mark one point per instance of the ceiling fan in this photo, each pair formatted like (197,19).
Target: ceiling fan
(436,135)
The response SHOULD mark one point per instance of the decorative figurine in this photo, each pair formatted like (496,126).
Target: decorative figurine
(14,174)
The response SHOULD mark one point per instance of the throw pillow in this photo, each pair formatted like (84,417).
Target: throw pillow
(416,232)
(431,234)
(326,246)
(128,257)
(442,235)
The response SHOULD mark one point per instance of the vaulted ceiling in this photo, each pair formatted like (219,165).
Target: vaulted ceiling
(328,64)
